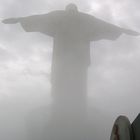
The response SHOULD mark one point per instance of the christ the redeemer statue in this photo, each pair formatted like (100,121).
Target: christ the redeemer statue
(72,32)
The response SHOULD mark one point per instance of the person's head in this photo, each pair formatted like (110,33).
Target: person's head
(71,7)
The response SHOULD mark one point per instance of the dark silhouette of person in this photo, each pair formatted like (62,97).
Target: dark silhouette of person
(72,32)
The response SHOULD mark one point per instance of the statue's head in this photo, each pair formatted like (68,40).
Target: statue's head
(71,7)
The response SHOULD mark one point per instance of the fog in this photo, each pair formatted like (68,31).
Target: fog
(28,96)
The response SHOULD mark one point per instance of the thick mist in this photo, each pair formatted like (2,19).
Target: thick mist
(54,87)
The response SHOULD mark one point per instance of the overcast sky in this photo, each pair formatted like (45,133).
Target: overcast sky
(25,62)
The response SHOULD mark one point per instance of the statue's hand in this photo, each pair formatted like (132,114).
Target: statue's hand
(130,32)
(10,21)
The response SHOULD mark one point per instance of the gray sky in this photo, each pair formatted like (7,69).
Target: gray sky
(25,62)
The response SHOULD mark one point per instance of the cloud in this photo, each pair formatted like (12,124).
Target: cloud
(25,61)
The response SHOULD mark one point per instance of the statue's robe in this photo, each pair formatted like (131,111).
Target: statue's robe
(72,33)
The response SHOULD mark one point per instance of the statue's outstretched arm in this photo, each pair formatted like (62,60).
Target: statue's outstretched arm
(29,24)
(11,20)
(36,23)
(105,30)
(130,32)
